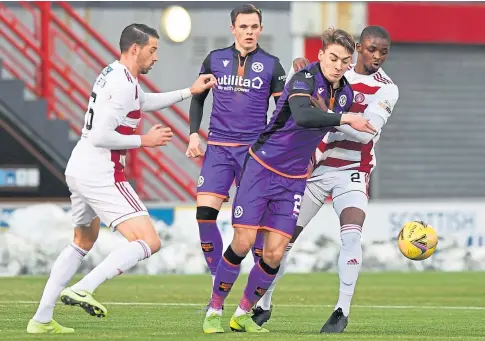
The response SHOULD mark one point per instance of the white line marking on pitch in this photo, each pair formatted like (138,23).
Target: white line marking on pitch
(168,304)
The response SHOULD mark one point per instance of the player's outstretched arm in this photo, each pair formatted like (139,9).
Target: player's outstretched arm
(378,112)
(310,117)
(156,101)
(110,115)
(358,122)
(307,116)
(363,137)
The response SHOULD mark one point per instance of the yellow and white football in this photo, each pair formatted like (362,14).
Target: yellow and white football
(417,240)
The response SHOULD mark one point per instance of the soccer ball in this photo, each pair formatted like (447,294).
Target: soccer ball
(417,240)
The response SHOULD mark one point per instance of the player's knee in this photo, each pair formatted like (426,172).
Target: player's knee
(140,228)
(205,213)
(270,269)
(352,216)
(86,236)
(243,240)
(273,256)
(210,201)
(85,242)
(241,246)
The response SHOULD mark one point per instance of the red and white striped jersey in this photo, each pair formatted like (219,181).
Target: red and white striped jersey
(344,148)
(109,129)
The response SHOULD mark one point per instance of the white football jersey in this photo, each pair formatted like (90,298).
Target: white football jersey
(114,108)
(374,94)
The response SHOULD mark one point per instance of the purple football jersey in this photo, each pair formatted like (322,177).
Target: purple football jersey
(286,147)
(240,100)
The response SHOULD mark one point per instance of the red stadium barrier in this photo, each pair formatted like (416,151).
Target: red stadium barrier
(66,91)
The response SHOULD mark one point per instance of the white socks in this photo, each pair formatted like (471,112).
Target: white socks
(240,311)
(349,263)
(64,268)
(117,262)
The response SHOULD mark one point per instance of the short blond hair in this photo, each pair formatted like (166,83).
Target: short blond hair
(338,36)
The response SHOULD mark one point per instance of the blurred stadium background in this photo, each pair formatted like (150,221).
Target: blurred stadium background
(431,156)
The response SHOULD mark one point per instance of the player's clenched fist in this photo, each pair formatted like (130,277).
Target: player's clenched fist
(157,136)
(194,149)
(203,83)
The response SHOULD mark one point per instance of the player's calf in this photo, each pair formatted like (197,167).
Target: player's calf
(64,268)
(226,275)
(143,241)
(210,236)
(264,307)
(257,248)
(260,279)
(350,257)
(309,208)
(229,267)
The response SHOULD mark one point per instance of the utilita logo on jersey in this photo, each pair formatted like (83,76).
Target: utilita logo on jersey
(238,83)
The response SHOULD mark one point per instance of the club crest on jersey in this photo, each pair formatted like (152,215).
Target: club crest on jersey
(257,67)
(342,100)
(359,98)
(238,212)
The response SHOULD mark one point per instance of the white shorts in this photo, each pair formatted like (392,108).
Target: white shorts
(113,203)
(348,189)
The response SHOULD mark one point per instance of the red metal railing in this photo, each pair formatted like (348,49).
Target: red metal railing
(66,90)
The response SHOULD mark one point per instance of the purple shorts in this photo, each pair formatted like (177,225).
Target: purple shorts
(222,165)
(266,200)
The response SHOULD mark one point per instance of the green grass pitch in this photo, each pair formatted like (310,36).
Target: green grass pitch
(386,306)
